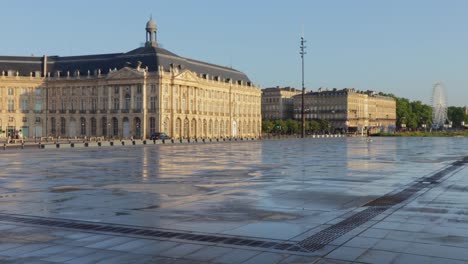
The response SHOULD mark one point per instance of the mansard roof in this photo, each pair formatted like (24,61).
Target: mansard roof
(148,56)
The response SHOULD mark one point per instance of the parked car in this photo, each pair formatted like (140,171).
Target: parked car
(159,135)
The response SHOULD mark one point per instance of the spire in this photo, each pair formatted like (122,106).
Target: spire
(151,29)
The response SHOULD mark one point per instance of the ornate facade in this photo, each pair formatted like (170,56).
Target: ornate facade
(349,109)
(126,95)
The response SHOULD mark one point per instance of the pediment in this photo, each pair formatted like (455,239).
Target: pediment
(125,73)
(187,76)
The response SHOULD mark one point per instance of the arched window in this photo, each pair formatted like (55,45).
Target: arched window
(152,122)
(83,126)
(53,129)
(115,127)
(93,127)
(193,129)
(104,126)
(63,125)
(186,128)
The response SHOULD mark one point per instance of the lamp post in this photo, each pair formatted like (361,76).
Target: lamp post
(303,52)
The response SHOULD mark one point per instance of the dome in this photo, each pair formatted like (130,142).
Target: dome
(151,25)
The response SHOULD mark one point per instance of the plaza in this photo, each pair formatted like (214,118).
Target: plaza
(327,200)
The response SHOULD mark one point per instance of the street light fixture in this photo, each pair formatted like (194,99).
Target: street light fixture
(303,52)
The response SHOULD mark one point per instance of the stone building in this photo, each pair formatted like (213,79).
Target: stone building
(278,103)
(124,95)
(349,110)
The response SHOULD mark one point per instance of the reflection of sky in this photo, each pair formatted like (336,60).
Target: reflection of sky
(161,184)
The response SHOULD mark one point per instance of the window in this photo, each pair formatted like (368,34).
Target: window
(53,129)
(53,105)
(62,125)
(38,91)
(11,105)
(139,88)
(152,124)
(153,103)
(127,102)
(38,119)
(115,126)
(93,126)
(116,103)
(38,105)
(24,104)
(83,126)
(116,89)
(82,104)
(94,104)
(11,91)
(25,119)
(104,126)
(139,103)
(153,88)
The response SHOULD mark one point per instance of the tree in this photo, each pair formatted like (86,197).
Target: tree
(292,126)
(267,126)
(280,126)
(456,115)
(314,126)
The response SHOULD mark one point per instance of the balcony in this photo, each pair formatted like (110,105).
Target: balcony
(71,111)
(62,111)
(92,111)
(136,110)
(82,111)
(24,111)
(125,111)
(52,111)
(113,111)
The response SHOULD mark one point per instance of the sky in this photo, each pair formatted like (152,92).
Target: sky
(400,47)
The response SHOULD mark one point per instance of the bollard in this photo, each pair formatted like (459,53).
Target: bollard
(133,142)
(99,144)
(203,140)
(111,143)
(72,145)
(180,140)
(144,142)
(172,140)
(164,141)
(123,143)
(57,145)
(86,144)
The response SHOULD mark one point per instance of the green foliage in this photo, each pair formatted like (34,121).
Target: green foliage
(413,114)
(456,115)
(292,126)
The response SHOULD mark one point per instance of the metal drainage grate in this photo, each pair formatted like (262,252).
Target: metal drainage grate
(281,245)
(374,208)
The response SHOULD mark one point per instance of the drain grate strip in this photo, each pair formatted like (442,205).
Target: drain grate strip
(281,245)
(374,208)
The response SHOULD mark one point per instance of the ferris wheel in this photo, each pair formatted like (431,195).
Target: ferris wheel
(439,106)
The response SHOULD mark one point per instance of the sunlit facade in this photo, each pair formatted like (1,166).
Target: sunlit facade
(123,95)
(278,103)
(349,109)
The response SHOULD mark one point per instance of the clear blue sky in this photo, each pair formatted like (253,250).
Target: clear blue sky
(400,46)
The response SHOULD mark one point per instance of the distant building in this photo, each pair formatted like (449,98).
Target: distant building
(278,103)
(122,95)
(466,110)
(348,109)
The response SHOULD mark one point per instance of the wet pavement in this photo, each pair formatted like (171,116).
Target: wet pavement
(328,200)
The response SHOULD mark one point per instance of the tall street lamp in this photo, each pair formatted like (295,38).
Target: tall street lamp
(303,52)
